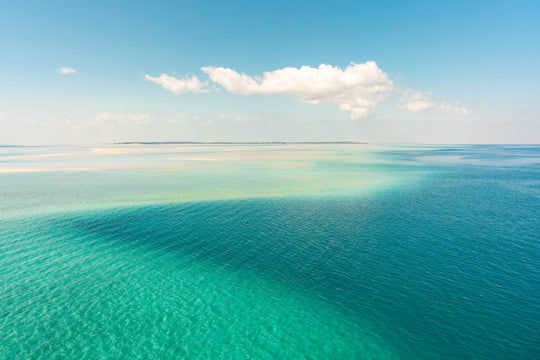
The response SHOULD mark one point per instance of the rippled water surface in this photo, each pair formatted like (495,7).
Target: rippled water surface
(281,251)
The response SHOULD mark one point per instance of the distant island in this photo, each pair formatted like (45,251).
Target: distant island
(236,143)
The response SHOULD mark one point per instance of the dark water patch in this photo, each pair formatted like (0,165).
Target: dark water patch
(489,153)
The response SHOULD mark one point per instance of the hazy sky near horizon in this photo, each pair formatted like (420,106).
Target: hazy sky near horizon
(388,71)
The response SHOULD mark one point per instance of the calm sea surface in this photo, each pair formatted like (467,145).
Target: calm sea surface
(270,252)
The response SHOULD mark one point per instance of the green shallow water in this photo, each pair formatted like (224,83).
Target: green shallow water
(271,252)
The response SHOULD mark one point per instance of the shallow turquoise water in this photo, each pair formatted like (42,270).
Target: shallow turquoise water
(316,252)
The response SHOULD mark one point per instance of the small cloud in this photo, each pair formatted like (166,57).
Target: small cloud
(179,118)
(123,118)
(178,86)
(418,100)
(240,118)
(66,70)
(454,109)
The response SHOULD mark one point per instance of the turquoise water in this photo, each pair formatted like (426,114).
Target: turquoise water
(311,252)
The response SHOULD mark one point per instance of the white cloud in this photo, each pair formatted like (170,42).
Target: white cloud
(240,118)
(178,86)
(66,70)
(454,109)
(356,89)
(418,100)
(179,118)
(123,118)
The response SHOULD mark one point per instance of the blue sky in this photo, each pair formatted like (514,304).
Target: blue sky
(445,72)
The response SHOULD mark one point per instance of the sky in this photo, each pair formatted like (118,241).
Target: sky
(74,72)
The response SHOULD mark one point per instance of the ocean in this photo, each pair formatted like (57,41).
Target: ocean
(283,251)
